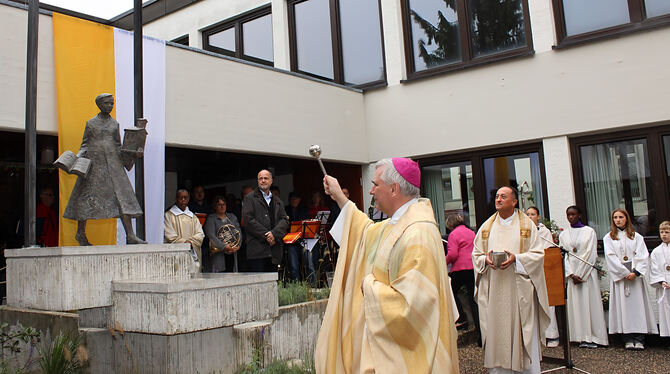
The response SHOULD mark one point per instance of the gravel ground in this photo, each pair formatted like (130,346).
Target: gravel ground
(609,360)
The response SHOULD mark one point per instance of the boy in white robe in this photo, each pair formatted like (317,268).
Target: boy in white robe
(659,277)
(627,260)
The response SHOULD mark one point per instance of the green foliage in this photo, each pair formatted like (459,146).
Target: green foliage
(299,292)
(553,228)
(65,355)
(11,342)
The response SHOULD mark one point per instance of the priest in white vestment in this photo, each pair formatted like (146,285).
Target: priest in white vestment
(627,260)
(182,226)
(512,297)
(390,309)
(659,277)
(586,317)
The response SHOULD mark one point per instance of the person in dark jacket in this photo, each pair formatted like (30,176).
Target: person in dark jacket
(265,223)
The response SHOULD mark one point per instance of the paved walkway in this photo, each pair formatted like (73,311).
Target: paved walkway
(603,360)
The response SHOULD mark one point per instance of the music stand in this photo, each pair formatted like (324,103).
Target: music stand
(555,277)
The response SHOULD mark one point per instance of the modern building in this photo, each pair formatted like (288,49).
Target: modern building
(567,100)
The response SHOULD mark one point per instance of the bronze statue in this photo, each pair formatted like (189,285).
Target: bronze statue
(103,191)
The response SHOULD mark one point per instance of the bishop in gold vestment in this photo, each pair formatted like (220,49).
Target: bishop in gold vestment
(391,308)
(512,298)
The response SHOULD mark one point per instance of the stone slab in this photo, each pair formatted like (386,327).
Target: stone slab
(186,304)
(72,278)
(208,351)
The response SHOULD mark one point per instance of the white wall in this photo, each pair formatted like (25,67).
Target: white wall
(560,181)
(221,104)
(595,87)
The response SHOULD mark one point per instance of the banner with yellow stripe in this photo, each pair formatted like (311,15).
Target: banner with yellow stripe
(91,59)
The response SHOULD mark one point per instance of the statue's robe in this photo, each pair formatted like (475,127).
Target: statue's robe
(184,226)
(513,306)
(390,308)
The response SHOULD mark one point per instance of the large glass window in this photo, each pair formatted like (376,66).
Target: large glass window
(617,175)
(436,40)
(521,171)
(314,48)
(248,36)
(578,20)
(656,8)
(467,183)
(338,40)
(450,190)
(628,170)
(584,16)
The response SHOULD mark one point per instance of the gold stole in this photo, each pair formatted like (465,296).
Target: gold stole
(524,232)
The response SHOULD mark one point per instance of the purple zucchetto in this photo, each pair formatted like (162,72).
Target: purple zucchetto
(408,169)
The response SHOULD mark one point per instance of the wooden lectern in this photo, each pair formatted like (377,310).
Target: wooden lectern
(554,276)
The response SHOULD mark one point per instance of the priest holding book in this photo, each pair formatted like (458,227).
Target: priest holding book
(103,191)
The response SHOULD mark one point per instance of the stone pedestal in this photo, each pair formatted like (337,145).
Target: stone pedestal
(187,304)
(71,278)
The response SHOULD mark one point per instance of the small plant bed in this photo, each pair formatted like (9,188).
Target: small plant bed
(299,292)
(280,367)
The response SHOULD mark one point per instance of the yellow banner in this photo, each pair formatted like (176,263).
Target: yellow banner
(84,65)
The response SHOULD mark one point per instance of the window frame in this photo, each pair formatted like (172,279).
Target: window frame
(658,172)
(467,59)
(183,40)
(638,22)
(236,23)
(476,158)
(336,45)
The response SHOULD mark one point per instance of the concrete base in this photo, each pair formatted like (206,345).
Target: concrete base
(72,278)
(186,304)
(209,351)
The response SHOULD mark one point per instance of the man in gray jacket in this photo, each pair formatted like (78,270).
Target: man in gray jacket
(265,223)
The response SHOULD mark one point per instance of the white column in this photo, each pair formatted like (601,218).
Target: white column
(560,181)
(394,53)
(280,38)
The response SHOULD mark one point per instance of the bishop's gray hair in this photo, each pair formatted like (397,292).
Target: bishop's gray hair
(390,175)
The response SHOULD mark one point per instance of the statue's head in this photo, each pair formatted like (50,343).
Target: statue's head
(105,102)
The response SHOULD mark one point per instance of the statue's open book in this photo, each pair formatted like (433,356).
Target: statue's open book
(72,164)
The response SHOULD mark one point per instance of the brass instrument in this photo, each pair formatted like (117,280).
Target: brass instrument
(229,235)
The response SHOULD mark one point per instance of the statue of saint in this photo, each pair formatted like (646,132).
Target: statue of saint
(104,191)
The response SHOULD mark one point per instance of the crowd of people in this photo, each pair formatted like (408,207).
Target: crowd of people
(261,219)
(514,301)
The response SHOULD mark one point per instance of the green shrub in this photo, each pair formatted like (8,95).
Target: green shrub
(299,292)
(11,342)
(64,356)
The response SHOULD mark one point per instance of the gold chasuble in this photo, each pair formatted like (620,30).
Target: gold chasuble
(512,302)
(390,308)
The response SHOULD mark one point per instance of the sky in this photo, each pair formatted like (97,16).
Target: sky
(100,8)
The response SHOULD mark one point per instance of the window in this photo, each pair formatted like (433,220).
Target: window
(181,40)
(615,171)
(450,188)
(579,20)
(521,171)
(443,35)
(248,36)
(337,40)
(468,184)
